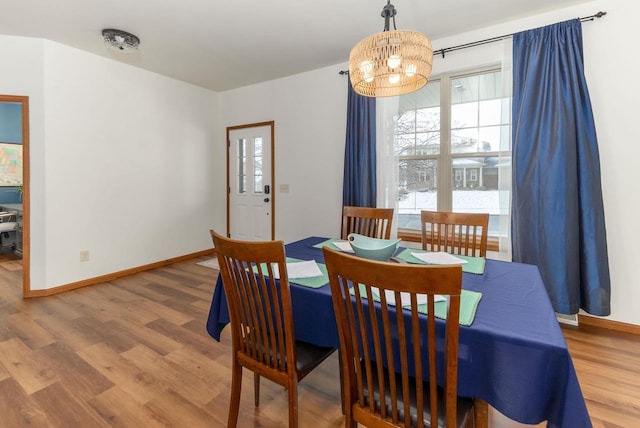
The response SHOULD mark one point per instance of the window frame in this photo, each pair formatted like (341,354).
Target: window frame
(445,157)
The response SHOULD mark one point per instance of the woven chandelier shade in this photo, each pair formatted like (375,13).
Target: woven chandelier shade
(390,63)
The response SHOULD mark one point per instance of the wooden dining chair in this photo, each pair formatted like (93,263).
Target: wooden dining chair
(386,353)
(371,222)
(260,311)
(456,233)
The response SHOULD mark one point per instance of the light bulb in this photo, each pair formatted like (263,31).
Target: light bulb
(394,78)
(368,79)
(410,70)
(366,67)
(394,61)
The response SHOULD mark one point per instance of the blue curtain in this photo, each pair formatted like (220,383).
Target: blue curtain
(359,185)
(558,213)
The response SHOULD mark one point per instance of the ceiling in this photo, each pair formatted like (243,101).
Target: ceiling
(223,45)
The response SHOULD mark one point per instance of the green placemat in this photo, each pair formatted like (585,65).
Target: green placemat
(473,265)
(469,301)
(313,282)
(329,243)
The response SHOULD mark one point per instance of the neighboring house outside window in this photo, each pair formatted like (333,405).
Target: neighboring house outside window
(452,139)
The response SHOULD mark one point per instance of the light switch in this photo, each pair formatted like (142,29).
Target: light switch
(284,188)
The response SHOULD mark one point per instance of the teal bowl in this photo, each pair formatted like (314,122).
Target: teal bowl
(373,248)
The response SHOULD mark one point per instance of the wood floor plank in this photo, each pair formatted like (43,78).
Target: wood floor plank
(199,341)
(166,312)
(32,372)
(139,384)
(142,287)
(202,305)
(91,301)
(122,304)
(79,376)
(52,306)
(17,408)
(118,340)
(169,375)
(180,412)
(141,334)
(6,332)
(4,373)
(119,410)
(29,332)
(65,409)
(164,283)
(213,371)
(68,332)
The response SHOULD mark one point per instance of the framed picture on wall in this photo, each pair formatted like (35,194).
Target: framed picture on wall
(10,164)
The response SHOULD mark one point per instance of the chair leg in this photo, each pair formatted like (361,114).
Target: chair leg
(256,388)
(236,386)
(480,413)
(341,374)
(293,406)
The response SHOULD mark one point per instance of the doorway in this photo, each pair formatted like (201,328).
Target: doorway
(250,178)
(14,175)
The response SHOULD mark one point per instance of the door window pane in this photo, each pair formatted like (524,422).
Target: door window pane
(257,165)
(242,166)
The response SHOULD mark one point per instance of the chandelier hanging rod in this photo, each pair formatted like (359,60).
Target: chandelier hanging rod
(388,12)
(486,41)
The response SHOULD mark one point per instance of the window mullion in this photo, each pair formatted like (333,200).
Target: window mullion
(445,202)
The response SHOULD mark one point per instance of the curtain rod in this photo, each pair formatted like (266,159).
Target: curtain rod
(491,40)
(506,36)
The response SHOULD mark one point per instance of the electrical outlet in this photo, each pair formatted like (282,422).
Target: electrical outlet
(84,255)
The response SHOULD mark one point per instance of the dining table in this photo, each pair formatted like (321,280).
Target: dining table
(512,353)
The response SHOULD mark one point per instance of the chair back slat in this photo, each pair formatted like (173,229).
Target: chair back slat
(371,222)
(387,351)
(455,233)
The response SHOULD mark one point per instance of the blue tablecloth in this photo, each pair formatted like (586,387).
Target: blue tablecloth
(513,356)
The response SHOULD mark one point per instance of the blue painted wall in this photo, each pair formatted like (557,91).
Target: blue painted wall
(10,195)
(10,122)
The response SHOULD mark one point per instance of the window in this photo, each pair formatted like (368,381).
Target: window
(242,166)
(257,165)
(452,139)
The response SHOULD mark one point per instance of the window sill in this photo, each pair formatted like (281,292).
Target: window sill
(410,235)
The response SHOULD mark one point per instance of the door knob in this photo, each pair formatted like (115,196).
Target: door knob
(266,199)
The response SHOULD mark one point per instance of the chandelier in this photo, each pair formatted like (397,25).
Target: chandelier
(120,41)
(390,63)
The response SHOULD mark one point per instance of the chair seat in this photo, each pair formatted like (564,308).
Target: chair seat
(464,405)
(309,356)
(8,226)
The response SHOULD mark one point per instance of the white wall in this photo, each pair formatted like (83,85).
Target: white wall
(310,110)
(610,60)
(120,161)
(21,73)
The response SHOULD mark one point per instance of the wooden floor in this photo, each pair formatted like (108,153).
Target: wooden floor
(134,352)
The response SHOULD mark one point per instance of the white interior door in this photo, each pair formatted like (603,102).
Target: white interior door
(250,198)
